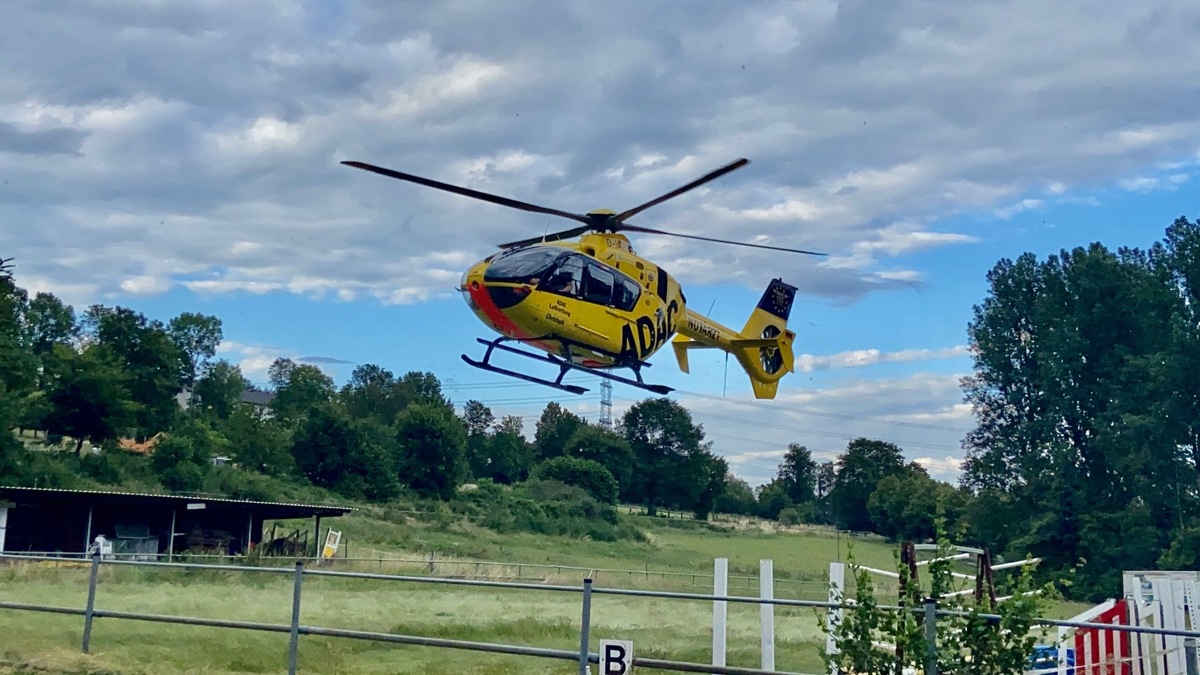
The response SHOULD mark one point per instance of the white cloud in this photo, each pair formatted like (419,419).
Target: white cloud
(807,363)
(202,147)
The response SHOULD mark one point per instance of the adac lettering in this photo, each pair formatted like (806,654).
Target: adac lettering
(651,333)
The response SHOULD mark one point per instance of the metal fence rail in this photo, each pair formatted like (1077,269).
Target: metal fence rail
(583,656)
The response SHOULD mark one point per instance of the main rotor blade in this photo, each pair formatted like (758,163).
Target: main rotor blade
(553,236)
(678,191)
(467,192)
(646,230)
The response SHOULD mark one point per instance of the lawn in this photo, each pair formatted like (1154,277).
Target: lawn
(662,628)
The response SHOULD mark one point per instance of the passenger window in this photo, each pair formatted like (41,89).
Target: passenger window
(598,285)
(627,293)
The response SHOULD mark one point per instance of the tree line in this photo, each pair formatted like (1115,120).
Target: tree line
(1085,451)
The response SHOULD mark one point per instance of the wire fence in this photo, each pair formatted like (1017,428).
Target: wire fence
(449,567)
(583,656)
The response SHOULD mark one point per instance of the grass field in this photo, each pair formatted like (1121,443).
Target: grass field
(663,628)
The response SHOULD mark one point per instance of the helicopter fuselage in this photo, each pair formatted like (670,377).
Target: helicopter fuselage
(604,305)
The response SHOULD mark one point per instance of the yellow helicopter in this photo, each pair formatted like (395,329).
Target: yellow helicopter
(594,305)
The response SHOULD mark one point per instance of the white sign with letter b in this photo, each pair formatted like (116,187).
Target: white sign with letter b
(616,657)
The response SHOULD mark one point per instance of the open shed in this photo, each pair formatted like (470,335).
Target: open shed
(66,522)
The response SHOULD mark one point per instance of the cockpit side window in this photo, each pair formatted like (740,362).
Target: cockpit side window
(566,279)
(524,266)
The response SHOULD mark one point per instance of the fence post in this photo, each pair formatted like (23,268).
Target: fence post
(930,636)
(91,601)
(720,588)
(766,590)
(294,643)
(585,629)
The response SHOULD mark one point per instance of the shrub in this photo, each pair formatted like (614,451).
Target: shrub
(587,474)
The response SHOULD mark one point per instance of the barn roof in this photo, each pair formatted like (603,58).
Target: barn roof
(280,510)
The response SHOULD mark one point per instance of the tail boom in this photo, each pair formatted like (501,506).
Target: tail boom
(763,347)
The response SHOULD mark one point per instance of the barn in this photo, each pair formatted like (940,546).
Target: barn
(65,522)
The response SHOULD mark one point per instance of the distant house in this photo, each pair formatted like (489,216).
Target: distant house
(260,400)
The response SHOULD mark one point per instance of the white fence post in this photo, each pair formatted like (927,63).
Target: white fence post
(721,588)
(837,593)
(766,591)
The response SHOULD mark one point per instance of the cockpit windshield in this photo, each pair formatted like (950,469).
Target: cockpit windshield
(523,266)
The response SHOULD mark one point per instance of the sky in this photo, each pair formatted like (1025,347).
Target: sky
(175,157)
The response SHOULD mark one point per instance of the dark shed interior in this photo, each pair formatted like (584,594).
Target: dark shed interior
(57,521)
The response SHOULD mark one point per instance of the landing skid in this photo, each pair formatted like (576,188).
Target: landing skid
(564,366)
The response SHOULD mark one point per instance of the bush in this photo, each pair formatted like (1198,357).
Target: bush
(543,507)
(587,474)
(965,642)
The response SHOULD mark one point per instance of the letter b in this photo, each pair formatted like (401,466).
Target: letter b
(614,659)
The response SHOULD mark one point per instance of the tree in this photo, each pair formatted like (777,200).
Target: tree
(478,418)
(421,387)
(197,336)
(512,424)
(219,389)
(1081,415)
(737,498)
(585,474)
(183,458)
(798,474)
(859,470)
(554,429)
(504,457)
(259,444)
(150,358)
(304,389)
(773,499)
(431,444)
(333,452)
(49,322)
(373,392)
(88,396)
(826,479)
(669,452)
(606,447)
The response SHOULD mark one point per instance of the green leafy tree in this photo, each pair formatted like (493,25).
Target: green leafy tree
(219,390)
(50,322)
(431,442)
(1080,417)
(333,452)
(605,447)
(421,387)
(773,499)
(299,389)
(506,458)
(555,427)
(737,498)
(859,470)
(588,475)
(373,392)
(259,444)
(798,474)
(197,336)
(183,458)
(88,396)
(512,424)
(672,462)
(150,358)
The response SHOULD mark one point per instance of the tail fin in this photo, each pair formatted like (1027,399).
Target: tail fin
(764,349)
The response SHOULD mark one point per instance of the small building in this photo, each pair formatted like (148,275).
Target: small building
(66,522)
